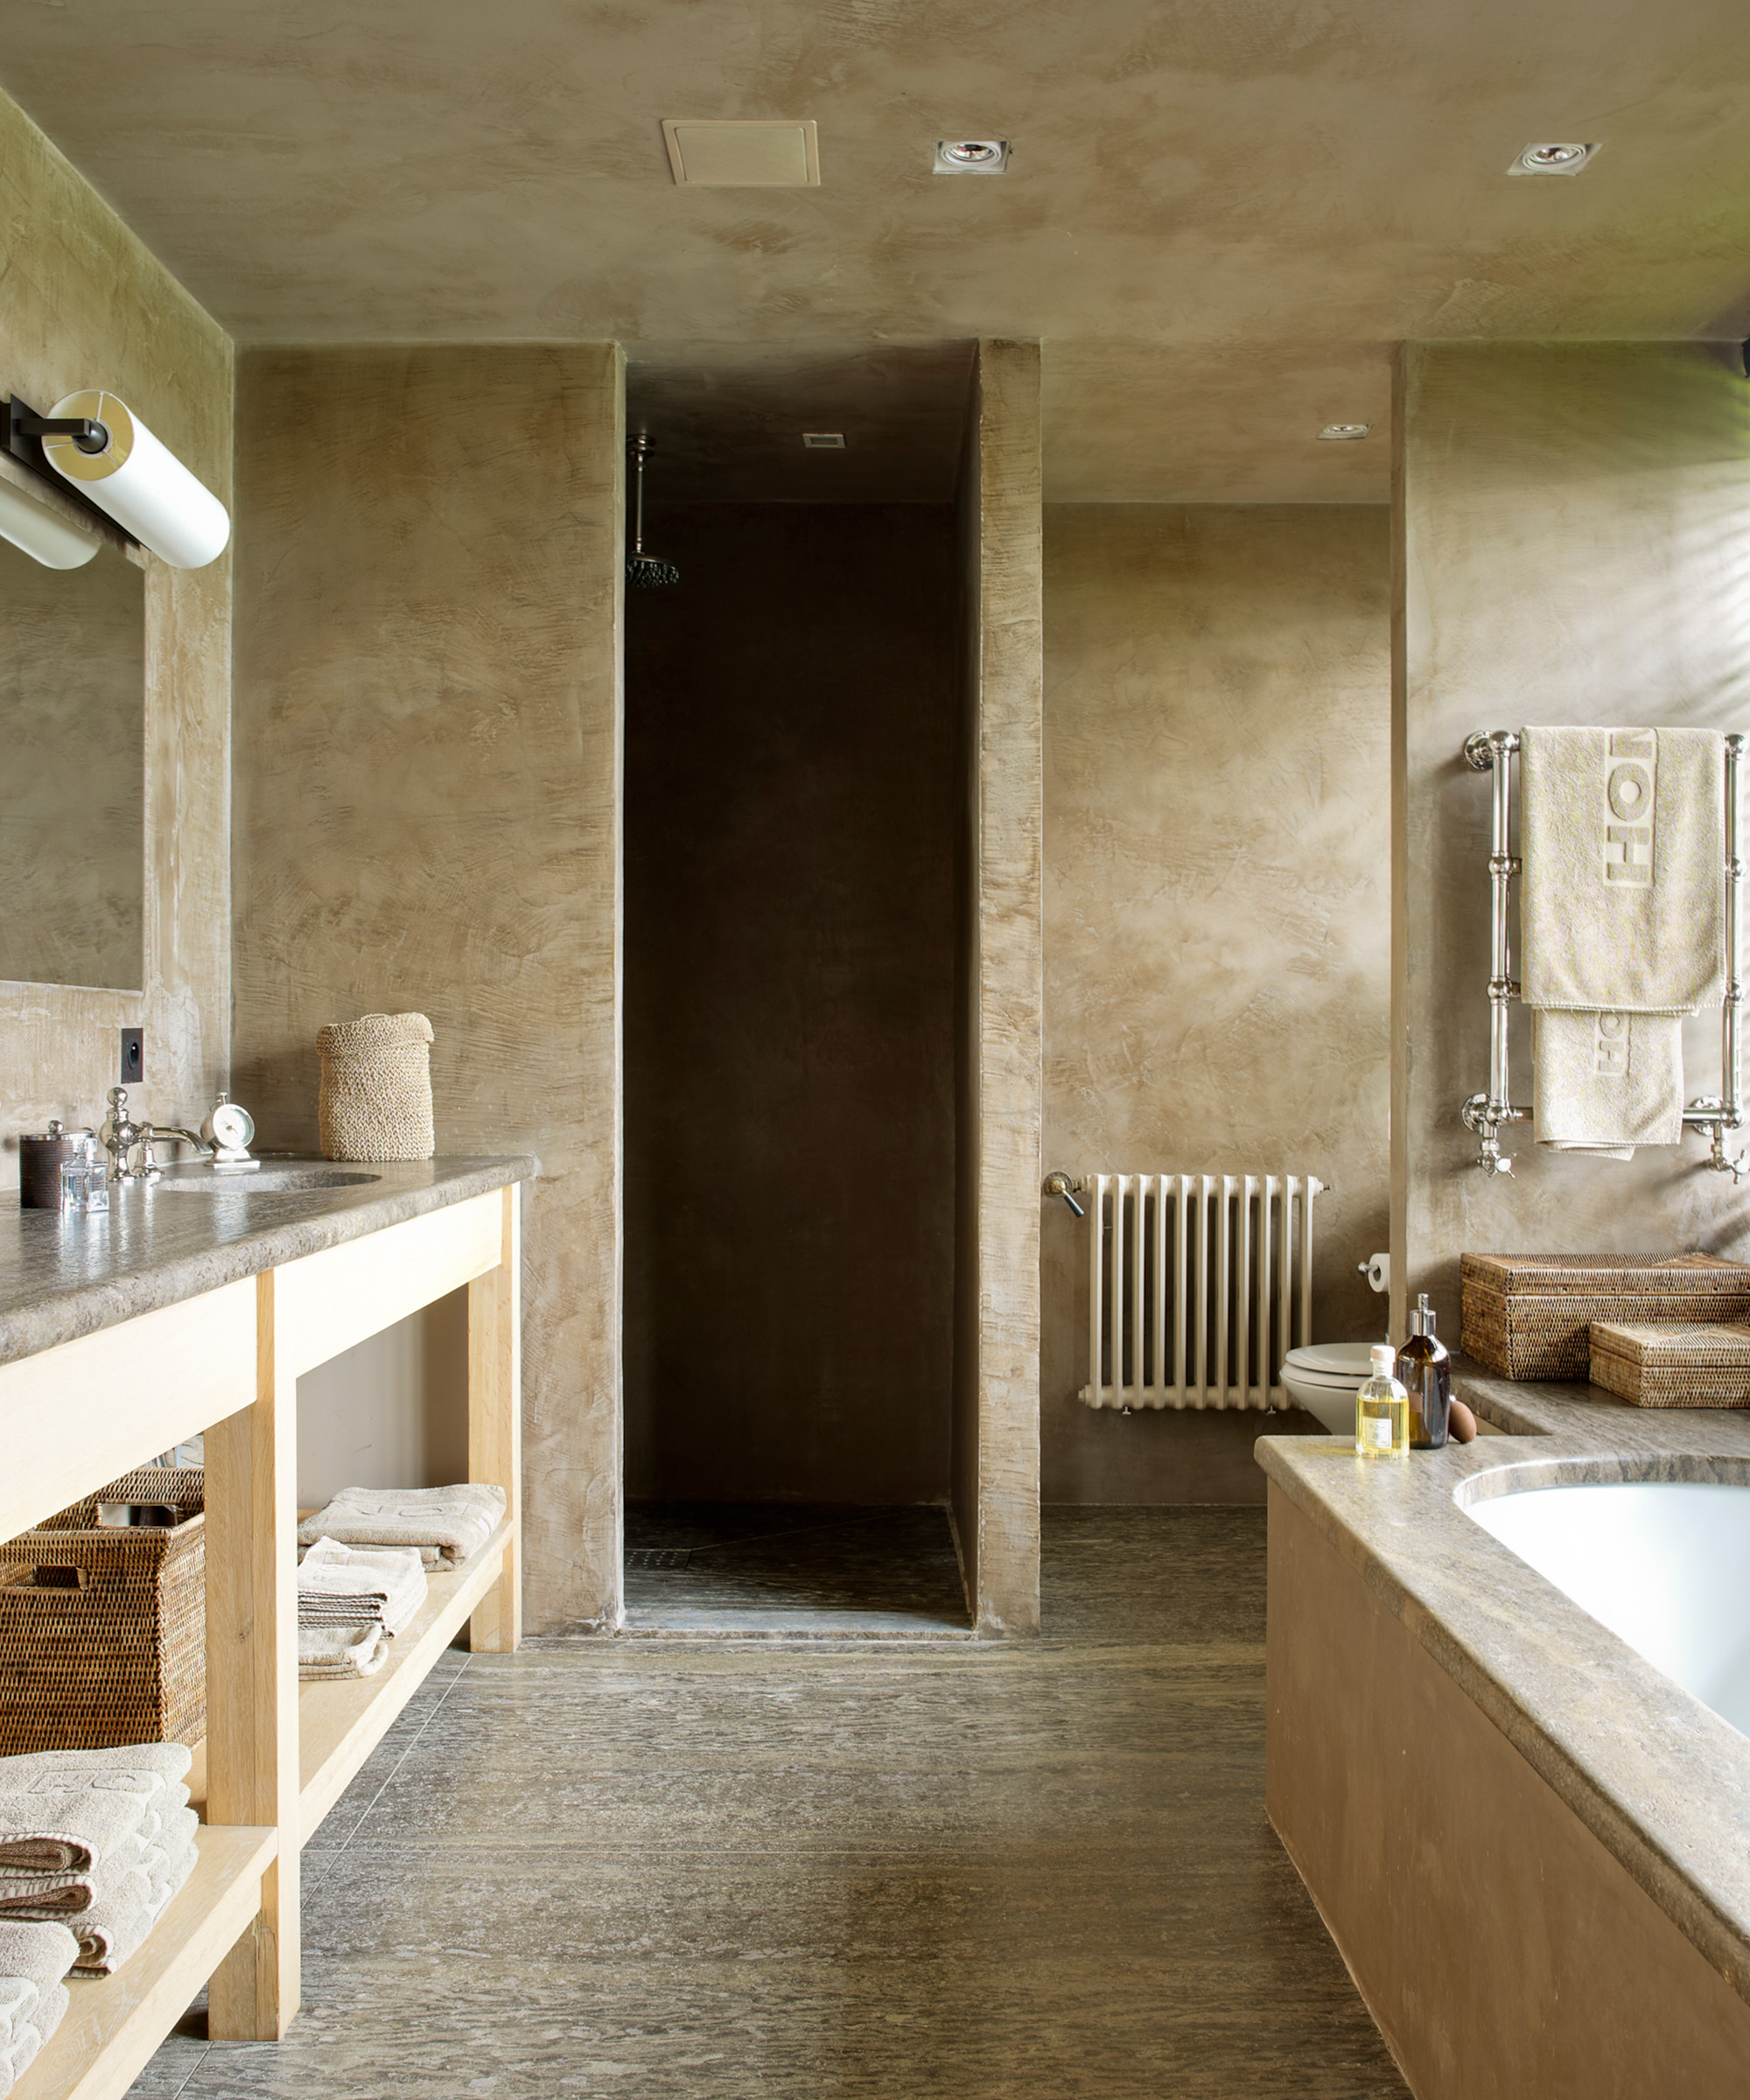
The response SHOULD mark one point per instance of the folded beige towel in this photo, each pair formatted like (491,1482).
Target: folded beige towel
(23,2049)
(340,1651)
(113,1929)
(168,1761)
(1605,1083)
(359,1586)
(52,1896)
(1622,893)
(36,1955)
(458,1520)
(17,1995)
(1622,926)
(70,1820)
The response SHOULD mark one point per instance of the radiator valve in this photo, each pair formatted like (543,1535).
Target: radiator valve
(1060,1185)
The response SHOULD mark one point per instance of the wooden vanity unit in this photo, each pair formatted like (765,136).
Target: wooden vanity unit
(191,1312)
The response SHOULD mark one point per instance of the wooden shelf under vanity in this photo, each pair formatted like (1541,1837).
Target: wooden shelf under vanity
(225,1360)
(341,1721)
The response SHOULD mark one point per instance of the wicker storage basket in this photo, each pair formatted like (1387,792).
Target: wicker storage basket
(1528,1316)
(103,1628)
(375,1096)
(1665,1365)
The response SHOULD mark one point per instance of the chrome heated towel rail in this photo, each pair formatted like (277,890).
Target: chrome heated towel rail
(1491,751)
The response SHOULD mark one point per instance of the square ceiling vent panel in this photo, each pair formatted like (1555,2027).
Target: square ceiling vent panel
(743,153)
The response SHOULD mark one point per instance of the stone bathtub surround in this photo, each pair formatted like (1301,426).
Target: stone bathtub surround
(58,1281)
(1657,1778)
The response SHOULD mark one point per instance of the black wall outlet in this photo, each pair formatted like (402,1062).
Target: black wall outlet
(133,1056)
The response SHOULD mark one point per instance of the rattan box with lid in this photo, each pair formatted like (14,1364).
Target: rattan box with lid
(1672,1365)
(1529,1316)
(103,1625)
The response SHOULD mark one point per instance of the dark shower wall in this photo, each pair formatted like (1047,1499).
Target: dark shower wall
(789,1019)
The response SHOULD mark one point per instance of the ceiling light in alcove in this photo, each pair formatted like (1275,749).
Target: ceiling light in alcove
(971,156)
(1553,159)
(1346,430)
(823,441)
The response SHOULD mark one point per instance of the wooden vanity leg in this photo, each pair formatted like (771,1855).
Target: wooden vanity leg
(495,1424)
(252,1677)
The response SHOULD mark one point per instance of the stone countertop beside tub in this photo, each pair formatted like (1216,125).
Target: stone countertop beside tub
(62,1278)
(1658,1778)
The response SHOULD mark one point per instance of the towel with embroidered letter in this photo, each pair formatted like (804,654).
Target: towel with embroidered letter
(1622,915)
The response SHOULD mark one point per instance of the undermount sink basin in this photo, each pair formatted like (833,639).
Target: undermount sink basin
(270,1179)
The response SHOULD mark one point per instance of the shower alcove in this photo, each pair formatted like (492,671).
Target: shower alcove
(801,1000)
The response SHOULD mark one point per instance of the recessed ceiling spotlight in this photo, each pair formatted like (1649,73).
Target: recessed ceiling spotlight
(971,156)
(1346,430)
(823,441)
(1553,159)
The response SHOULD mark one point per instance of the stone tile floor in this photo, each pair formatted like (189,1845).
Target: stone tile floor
(792,1568)
(709,1871)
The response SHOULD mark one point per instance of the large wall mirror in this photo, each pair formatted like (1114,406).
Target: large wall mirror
(72,678)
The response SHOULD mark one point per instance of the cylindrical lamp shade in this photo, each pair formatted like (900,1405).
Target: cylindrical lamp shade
(141,483)
(44,534)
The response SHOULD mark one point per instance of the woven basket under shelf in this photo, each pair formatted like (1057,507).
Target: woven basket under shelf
(1529,1316)
(118,1654)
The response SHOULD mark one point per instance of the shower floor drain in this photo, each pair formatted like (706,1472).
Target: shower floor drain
(658,1557)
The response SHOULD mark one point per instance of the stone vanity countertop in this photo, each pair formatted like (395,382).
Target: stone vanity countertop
(63,1277)
(1661,1779)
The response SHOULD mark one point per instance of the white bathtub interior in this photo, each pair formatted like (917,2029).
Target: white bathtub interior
(1665,1565)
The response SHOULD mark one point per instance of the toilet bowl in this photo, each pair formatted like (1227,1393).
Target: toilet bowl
(1323,1376)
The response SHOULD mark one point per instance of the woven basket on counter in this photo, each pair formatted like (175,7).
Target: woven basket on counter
(1664,1365)
(1529,1316)
(103,1628)
(375,1097)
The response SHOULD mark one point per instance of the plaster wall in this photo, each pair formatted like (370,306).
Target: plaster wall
(1499,1945)
(1570,548)
(1217,985)
(87,303)
(996,1448)
(790,1048)
(428,817)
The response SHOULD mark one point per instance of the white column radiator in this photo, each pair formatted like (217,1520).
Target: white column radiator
(1198,1286)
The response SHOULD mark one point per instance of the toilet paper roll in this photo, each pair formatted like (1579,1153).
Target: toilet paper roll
(1378,1268)
(141,483)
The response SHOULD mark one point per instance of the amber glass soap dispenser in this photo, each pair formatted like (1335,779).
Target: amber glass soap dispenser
(1425,1370)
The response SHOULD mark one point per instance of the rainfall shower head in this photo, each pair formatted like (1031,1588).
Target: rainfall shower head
(645,572)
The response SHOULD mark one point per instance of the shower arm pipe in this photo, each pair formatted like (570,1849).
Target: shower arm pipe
(1484,1114)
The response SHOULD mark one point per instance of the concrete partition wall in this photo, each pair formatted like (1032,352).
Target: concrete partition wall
(1571,547)
(428,812)
(1217,990)
(996,1453)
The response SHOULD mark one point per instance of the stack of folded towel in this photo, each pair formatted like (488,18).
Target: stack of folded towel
(445,1524)
(352,1601)
(33,1959)
(97,1840)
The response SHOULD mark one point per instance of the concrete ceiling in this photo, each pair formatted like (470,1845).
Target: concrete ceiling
(1220,213)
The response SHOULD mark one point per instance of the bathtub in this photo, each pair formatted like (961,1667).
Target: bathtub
(1508,1744)
(1665,1565)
